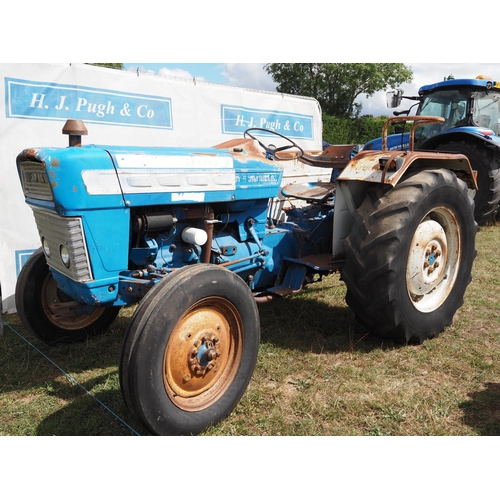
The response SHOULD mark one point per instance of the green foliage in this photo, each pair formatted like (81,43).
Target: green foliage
(108,65)
(352,130)
(337,85)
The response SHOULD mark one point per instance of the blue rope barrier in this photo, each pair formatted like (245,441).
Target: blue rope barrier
(71,379)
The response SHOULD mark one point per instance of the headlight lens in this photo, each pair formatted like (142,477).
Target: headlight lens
(63,252)
(46,248)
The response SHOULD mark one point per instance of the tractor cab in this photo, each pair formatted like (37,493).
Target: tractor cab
(470,113)
(462,103)
(473,104)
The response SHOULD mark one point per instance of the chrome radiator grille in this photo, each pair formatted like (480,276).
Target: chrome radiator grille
(35,181)
(58,231)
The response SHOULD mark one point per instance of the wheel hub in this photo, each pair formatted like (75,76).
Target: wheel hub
(434,259)
(203,356)
(427,259)
(63,311)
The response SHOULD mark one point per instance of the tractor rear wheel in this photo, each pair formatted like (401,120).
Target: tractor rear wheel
(409,255)
(190,350)
(36,294)
(487,164)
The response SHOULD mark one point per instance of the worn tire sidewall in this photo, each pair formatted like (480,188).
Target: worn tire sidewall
(153,405)
(28,296)
(450,197)
(28,287)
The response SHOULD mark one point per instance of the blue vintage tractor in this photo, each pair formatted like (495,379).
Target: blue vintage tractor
(471,112)
(194,237)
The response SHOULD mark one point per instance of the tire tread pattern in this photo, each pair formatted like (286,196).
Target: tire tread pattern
(375,269)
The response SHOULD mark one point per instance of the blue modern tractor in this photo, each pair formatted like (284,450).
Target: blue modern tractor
(471,126)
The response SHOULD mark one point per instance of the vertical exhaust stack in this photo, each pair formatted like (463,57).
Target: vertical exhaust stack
(75,129)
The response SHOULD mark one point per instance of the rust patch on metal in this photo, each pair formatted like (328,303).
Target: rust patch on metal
(310,191)
(203,354)
(29,153)
(332,157)
(388,167)
(242,146)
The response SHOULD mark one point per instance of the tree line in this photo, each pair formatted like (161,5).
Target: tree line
(352,130)
(336,86)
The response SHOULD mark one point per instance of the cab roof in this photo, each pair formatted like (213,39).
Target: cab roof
(480,82)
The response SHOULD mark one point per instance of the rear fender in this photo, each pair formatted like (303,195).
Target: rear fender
(388,167)
(380,167)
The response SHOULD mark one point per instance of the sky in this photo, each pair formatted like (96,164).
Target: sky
(194,34)
(253,76)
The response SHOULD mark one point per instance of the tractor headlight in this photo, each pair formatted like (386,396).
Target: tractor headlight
(46,248)
(64,254)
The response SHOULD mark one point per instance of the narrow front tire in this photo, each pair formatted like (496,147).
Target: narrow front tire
(36,295)
(190,350)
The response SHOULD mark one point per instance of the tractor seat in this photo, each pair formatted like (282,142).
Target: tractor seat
(310,191)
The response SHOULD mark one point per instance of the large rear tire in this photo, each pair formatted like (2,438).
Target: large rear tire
(36,294)
(487,164)
(190,350)
(409,255)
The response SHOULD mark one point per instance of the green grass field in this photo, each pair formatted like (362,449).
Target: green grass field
(318,373)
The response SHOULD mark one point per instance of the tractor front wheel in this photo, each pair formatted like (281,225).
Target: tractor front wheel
(190,350)
(36,295)
(410,254)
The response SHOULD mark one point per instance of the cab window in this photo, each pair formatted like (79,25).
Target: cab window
(486,110)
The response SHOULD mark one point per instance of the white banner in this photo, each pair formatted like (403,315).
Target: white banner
(125,108)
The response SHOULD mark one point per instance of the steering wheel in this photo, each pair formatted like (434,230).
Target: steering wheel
(271,151)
